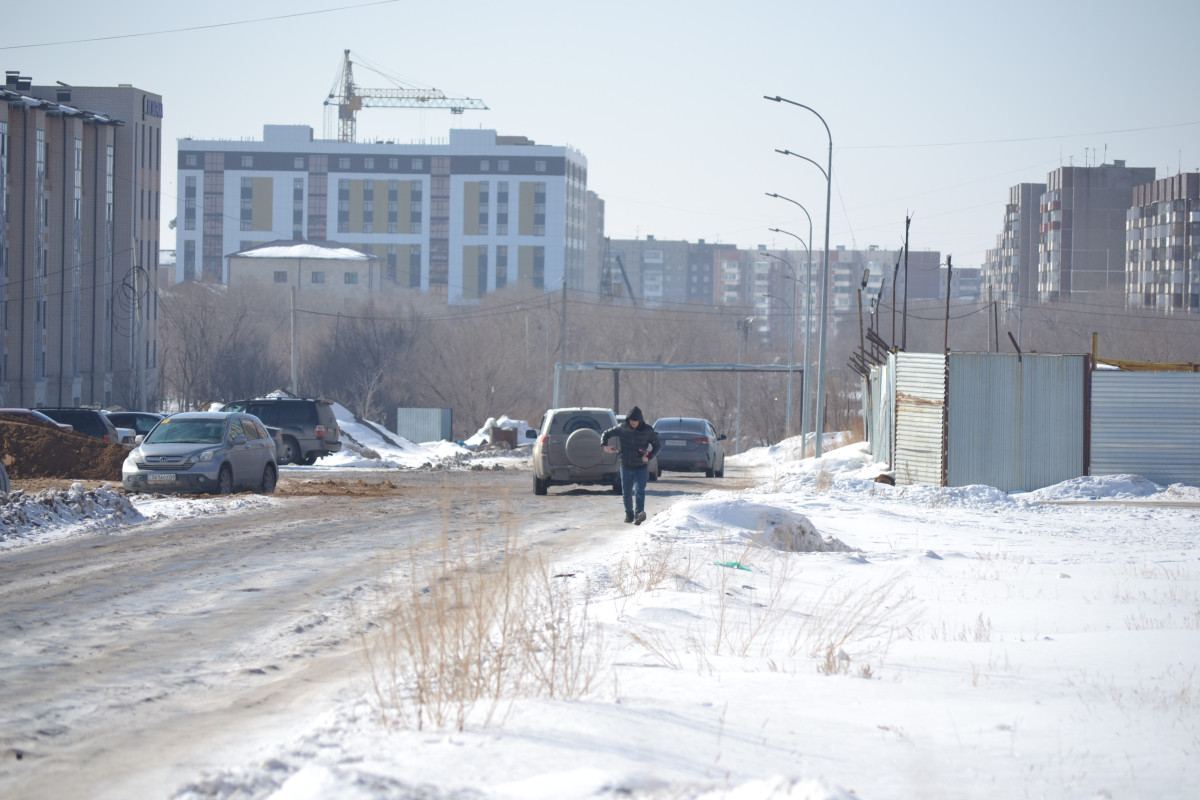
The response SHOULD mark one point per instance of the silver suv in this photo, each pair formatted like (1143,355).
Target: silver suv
(567,450)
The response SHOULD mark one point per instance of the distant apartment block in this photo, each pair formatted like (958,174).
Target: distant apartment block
(1163,245)
(457,220)
(659,271)
(1009,272)
(1081,253)
(79,221)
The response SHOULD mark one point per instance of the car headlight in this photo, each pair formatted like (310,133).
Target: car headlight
(131,460)
(207,455)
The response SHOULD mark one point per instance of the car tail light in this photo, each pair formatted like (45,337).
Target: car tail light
(702,440)
(543,438)
(319,431)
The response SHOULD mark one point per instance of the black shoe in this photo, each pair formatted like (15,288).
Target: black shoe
(629,517)
(640,518)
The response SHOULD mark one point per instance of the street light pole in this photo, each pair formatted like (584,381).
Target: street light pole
(787,424)
(805,406)
(828,171)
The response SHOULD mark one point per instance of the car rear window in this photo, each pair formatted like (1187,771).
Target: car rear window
(680,424)
(569,423)
(281,414)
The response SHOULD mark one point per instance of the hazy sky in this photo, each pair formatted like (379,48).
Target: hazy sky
(936,108)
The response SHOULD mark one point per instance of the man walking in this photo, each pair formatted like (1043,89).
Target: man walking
(638,441)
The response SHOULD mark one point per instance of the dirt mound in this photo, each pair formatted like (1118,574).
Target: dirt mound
(36,450)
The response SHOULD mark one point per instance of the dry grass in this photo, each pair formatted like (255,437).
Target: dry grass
(474,630)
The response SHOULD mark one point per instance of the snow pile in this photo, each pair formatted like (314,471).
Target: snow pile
(23,516)
(483,435)
(728,518)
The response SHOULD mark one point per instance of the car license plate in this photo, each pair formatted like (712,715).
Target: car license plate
(674,443)
(161,477)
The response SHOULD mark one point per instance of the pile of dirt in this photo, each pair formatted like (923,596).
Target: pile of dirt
(37,450)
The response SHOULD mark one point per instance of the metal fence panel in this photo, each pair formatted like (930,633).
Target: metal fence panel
(423,424)
(1148,424)
(880,413)
(920,418)
(1015,423)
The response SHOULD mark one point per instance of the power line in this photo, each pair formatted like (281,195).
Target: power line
(197,27)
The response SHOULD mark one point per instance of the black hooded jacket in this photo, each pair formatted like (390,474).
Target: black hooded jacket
(635,442)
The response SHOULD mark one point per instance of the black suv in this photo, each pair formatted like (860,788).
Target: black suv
(307,427)
(88,421)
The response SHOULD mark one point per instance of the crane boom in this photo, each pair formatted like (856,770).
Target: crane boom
(351,98)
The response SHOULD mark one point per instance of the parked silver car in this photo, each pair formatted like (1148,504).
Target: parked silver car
(203,451)
(690,444)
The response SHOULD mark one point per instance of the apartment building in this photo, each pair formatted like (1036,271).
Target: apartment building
(1009,271)
(457,220)
(1081,251)
(1163,245)
(660,271)
(79,221)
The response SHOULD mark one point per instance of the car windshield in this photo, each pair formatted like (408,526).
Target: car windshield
(194,431)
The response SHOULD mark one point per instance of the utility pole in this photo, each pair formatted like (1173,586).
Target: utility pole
(295,352)
(946,334)
(904,332)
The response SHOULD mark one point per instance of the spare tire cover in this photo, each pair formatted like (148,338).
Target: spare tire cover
(584,449)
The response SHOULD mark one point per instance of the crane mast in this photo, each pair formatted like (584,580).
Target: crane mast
(350,98)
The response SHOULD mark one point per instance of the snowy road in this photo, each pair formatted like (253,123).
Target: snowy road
(137,657)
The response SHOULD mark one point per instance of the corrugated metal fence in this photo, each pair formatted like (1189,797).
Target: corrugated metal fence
(1019,423)
(1015,422)
(1148,424)
(920,418)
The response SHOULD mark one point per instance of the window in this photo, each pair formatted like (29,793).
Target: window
(350,277)
(344,162)
(418,163)
(539,166)
(502,165)
(393,163)
(280,276)
(247,161)
(318,277)
(368,163)
(298,162)
(484,165)
(190,160)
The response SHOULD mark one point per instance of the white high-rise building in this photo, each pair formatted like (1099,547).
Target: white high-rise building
(457,220)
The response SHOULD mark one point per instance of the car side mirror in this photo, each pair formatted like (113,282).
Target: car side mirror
(137,440)
(530,433)
(721,437)
(238,439)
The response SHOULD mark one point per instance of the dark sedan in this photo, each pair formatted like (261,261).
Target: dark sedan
(690,444)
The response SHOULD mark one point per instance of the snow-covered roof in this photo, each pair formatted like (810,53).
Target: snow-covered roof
(305,250)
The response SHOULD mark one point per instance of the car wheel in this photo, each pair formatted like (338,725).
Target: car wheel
(720,473)
(290,454)
(708,473)
(617,485)
(225,480)
(309,459)
(653,476)
(540,486)
(269,479)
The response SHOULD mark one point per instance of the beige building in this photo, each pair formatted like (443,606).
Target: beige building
(323,274)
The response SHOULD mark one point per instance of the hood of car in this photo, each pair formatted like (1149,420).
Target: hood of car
(169,452)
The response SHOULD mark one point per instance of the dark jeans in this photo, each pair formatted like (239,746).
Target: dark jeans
(633,484)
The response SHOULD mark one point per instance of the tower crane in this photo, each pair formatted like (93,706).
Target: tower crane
(349,98)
